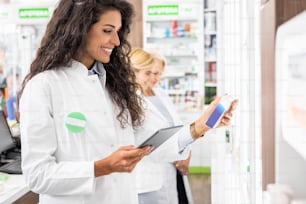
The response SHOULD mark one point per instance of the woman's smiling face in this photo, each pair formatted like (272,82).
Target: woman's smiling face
(101,39)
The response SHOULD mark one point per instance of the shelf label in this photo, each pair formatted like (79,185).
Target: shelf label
(163,10)
(173,10)
(33,13)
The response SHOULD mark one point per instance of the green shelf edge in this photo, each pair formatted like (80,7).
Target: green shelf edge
(199,170)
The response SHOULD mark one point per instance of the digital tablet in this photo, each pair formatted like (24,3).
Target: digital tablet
(160,136)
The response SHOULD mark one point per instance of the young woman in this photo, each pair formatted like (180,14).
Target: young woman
(156,174)
(79,107)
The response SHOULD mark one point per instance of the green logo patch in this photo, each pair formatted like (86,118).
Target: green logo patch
(75,122)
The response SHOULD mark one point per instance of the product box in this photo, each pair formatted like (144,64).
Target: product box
(219,111)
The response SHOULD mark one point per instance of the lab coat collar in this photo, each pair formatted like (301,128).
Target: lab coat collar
(148,105)
(79,68)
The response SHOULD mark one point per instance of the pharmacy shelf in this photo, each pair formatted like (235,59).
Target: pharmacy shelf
(174,29)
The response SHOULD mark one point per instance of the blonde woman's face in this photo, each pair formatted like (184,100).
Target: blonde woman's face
(143,78)
(157,71)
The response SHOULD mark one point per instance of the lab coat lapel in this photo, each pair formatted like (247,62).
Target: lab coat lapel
(165,99)
(154,110)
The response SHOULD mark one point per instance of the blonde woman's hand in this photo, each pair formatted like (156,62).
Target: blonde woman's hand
(183,165)
(123,159)
(199,127)
(227,117)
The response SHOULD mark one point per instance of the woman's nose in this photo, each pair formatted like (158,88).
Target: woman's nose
(115,39)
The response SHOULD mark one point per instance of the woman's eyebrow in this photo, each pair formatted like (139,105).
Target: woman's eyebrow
(110,25)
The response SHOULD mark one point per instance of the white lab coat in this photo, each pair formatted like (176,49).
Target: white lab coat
(157,169)
(57,160)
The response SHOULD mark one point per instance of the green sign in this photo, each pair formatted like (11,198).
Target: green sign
(163,10)
(30,13)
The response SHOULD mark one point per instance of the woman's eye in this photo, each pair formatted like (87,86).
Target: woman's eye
(107,31)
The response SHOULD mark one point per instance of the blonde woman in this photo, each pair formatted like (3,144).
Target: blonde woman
(156,173)
(182,166)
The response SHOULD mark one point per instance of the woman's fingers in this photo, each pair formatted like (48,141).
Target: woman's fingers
(129,157)
(227,117)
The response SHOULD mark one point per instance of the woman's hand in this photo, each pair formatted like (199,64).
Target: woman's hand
(183,165)
(227,117)
(123,159)
(199,127)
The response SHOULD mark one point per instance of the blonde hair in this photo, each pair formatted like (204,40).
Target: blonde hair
(141,59)
(159,58)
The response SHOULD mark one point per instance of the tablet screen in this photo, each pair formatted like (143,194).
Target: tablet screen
(160,136)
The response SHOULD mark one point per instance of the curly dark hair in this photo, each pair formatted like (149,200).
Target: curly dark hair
(66,33)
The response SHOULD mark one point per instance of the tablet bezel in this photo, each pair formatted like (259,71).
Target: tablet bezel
(160,136)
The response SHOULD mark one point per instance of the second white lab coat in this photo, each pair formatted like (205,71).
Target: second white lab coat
(157,168)
(67,122)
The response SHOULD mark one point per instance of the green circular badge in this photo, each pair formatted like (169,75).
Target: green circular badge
(75,122)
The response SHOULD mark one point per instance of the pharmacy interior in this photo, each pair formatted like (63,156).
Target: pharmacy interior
(252,50)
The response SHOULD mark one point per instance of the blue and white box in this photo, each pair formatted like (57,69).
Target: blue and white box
(219,111)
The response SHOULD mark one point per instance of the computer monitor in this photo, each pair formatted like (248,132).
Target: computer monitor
(6,139)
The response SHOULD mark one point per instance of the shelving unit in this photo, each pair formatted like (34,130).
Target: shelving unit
(186,34)
(210,50)
(174,29)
